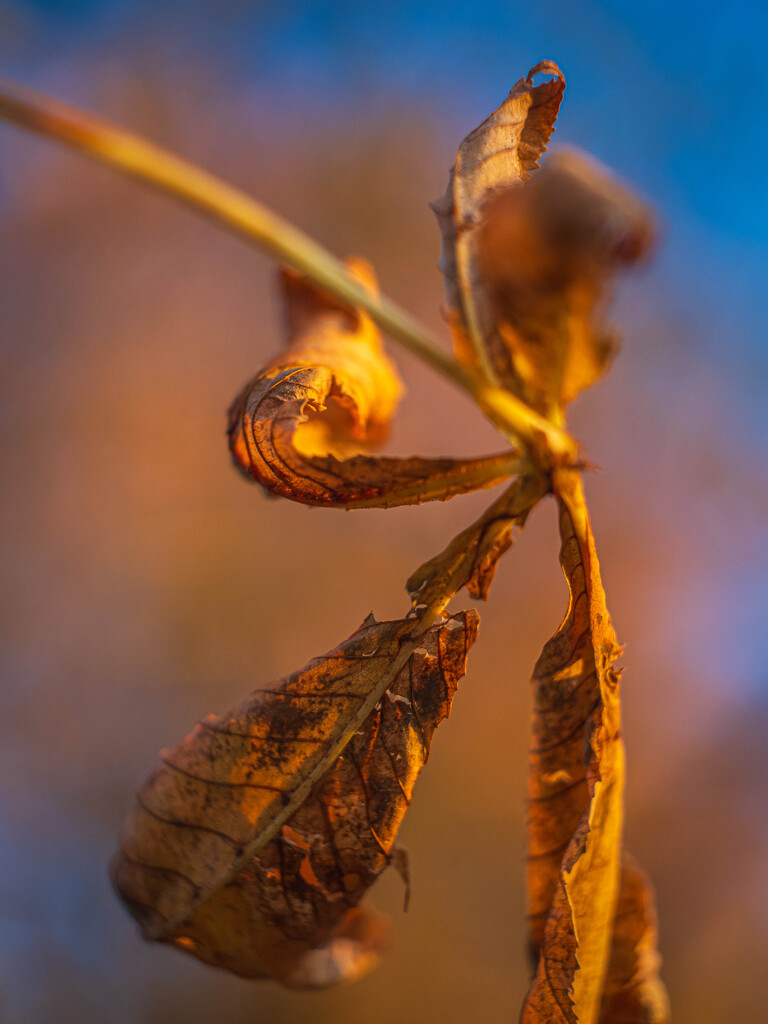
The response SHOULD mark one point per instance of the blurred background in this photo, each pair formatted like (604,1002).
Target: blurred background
(145,583)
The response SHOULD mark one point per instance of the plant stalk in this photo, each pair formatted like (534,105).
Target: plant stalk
(242,214)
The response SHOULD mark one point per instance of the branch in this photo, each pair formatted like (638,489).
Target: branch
(233,208)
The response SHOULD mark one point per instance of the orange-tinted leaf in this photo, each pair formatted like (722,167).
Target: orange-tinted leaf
(576,781)
(634,993)
(254,842)
(471,558)
(300,426)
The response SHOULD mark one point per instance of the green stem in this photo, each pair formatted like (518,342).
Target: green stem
(228,205)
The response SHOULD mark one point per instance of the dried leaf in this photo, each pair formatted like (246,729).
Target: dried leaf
(472,556)
(634,993)
(254,842)
(528,264)
(576,780)
(299,426)
(503,150)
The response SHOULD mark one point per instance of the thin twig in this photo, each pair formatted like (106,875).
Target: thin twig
(227,205)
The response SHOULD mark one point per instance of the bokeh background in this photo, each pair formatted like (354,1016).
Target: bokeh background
(145,583)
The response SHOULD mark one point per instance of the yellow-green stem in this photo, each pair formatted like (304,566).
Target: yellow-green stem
(228,205)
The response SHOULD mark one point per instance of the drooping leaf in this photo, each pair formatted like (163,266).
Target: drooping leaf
(253,844)
(300,426)
(471,558)
(634,992)
(576,781)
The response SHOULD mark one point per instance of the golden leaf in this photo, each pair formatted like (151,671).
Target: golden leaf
(298,427)
(576,781)
(255,841)
(504,149)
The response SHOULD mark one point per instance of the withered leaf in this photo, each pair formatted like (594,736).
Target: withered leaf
(634,992)
(503,150)
(576,780)
(253,844)
(300,426)
(528,264)
(471,558)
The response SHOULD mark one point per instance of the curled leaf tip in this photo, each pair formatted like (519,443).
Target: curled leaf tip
(545,67)
(503,150)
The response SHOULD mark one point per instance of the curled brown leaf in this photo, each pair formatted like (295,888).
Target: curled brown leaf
(300,426)
(253,843)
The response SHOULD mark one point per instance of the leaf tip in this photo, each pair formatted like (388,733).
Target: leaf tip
(355,948)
